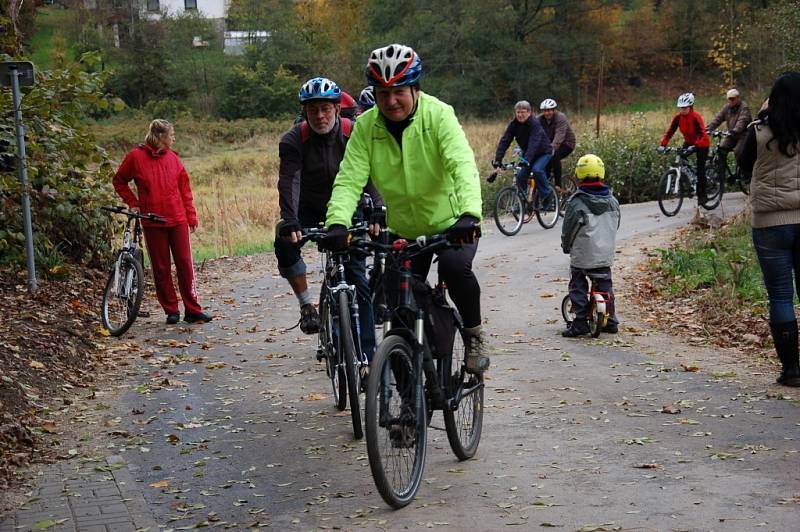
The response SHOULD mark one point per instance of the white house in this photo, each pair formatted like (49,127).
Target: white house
(211,9)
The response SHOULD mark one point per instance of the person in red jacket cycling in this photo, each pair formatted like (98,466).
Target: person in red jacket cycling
(694,133)
(162,186)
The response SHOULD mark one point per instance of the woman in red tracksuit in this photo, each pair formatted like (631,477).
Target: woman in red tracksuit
(163,188)
(694,133)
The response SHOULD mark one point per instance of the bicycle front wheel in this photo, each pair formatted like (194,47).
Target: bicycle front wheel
(508,211)
(122,296)
(395,422)
(349,354)
(464,419)
(330,347)
(670,193)
(547,214)
(715,187)
(566,310)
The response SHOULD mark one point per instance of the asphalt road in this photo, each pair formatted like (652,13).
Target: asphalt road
(232,423)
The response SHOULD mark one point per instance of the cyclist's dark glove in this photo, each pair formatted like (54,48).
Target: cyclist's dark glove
(336,239)
(465,231)
(524,164)
(378,216)
(496,164)
(285,228)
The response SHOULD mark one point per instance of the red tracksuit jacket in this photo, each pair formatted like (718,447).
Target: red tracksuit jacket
(692,127)
(162,183)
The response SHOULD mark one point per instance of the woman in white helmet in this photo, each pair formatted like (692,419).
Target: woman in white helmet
(561,136)
(694,134)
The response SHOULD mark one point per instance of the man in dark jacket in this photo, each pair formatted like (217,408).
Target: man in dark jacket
(736,116)
(535,146)
(561,136)
(310,153)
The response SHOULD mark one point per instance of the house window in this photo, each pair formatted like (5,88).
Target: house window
(190,4)
(153,5)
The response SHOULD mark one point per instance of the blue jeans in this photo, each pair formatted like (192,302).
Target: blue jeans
(778,250)
(538,170)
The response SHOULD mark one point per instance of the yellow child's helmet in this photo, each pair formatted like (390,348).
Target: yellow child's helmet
(590,166)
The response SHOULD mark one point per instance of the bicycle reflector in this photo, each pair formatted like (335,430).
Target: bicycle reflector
(399,244)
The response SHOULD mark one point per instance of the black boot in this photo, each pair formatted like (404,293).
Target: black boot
(785,337)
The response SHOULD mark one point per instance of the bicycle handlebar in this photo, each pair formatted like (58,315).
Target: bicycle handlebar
(130,214)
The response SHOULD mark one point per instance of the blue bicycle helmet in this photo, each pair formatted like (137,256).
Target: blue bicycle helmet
(320,89)
(367,98)
(395,65)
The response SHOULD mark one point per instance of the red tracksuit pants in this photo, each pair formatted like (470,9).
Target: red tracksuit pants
(160,242)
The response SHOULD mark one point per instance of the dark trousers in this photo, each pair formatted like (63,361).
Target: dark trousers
(579,291)
(702,157)
(554,167)
(778,250)
(291,264)
(455,269)
(160,242)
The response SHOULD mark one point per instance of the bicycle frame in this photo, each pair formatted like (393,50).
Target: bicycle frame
(412,320)
(683,168)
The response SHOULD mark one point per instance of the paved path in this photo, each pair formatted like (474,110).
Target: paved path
(231,424)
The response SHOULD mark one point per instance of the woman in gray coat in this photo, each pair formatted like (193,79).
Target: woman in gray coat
(772,152)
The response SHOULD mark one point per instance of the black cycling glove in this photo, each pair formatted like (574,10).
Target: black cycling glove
(465,231)
(285,228)
(336,238)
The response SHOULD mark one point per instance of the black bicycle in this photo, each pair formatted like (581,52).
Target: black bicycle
(122,296)
(419,367)
(719,160)
(339,333)
(514,206)
(680,181)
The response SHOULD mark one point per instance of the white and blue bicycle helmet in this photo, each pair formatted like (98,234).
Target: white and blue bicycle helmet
(686,99)
(367,98)
(320,89)
(395,65)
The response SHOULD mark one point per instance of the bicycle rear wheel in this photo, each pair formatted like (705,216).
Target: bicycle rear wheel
(569,185)
(670,193)
(715,188)
(122,296)
(464,424)
(508,211)
(329,344)
(547,215)
(349,353)
(395,422)
(597,315)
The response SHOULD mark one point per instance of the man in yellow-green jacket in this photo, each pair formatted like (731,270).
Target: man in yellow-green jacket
(414,149)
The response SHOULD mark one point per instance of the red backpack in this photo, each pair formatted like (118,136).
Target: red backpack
(305,129)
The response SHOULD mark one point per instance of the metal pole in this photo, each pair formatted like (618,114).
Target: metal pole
(599,93)
(23,178)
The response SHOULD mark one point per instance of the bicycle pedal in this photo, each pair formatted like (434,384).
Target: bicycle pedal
(320,355)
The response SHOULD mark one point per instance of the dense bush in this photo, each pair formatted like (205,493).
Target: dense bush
(70,176)
(259,92)
(633,166)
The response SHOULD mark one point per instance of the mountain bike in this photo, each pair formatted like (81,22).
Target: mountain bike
(419,367)
(339,333)
(122,296)
(514,207)
(728,172)
(680,181)
(598,309)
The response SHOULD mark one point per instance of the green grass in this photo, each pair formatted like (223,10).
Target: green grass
(201,253)
(722,261)
(49,21)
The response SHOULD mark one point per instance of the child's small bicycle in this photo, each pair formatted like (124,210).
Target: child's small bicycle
(598,309)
